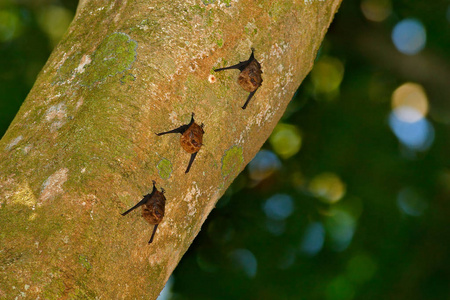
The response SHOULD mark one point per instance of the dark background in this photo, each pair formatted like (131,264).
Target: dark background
(350,197)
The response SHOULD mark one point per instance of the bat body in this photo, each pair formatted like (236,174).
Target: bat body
(153,207)
(250,77)
(191,138)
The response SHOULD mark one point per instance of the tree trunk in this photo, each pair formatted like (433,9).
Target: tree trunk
(83,149)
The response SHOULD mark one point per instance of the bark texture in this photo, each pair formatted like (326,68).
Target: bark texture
(83,149)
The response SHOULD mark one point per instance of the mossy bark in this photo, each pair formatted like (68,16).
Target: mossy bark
(83,149)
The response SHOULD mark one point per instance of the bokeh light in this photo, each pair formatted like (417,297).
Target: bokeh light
(361,268)
(341,227)
(221,230)
(409,36)
(166,293)
(286,140)
(411,202)
(263,165)
(10,25)
(298,180)
(206,260)
(444,180)
(407,119)
(313,239)
(54,21)
(448,13)
(245,261)
(376,10)
(410,102)
(416,136)
(327,75)
(278,207)
(287,257)
(328,187)
(340,288)
(275,227)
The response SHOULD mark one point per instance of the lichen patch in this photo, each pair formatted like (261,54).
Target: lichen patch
(24,196)
(232,161)
(115,54)
(32,216)
(165,168)
(52,186)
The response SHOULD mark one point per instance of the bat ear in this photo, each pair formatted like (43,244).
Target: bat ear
(252,56)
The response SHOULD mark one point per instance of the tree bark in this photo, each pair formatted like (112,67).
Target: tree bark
(83,149)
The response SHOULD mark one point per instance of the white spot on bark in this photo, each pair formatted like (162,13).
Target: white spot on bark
(52,186)
(280,68)
(194,192)
(51,98)
(312,1)
(173,117)
(25,115)
(56,114)
(143,27)
(27,148)
(79,103)
(13,143)
(212,78)
(56,111)
(85,60)
(276,51)
(61,62)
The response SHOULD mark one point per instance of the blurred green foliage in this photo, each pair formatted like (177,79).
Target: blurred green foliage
(349,198)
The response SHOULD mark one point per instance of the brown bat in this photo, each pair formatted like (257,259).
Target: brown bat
(153,206)
(250,77)
(191,138)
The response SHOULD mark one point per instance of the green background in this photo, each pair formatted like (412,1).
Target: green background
(336,205)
